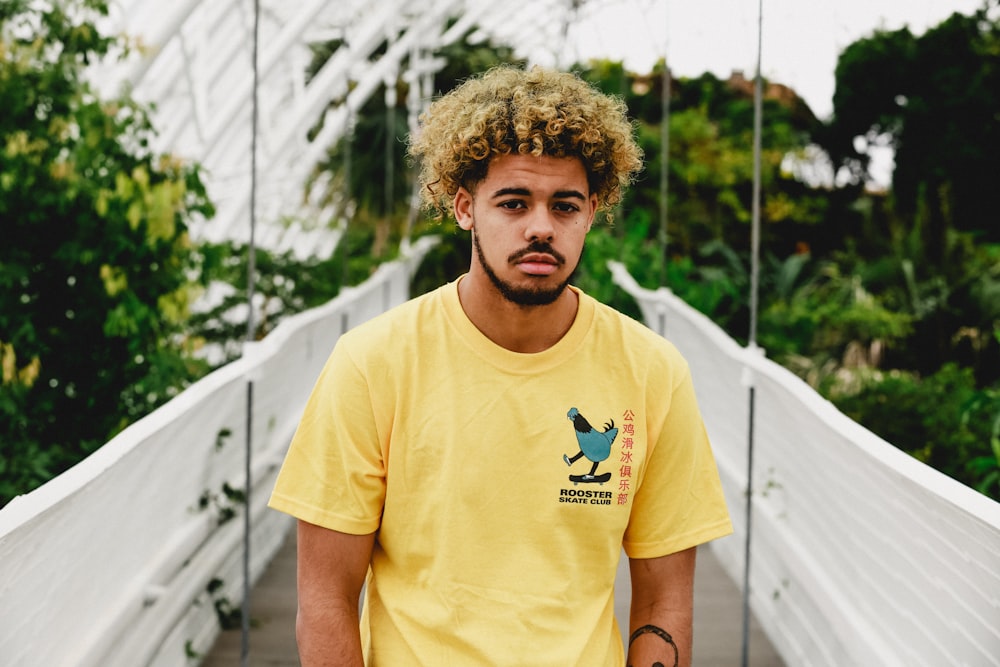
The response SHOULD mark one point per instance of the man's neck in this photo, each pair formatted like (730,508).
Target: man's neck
(525,329)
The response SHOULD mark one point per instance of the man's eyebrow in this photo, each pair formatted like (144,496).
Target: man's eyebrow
(570,194)
(504,192)
(525,192)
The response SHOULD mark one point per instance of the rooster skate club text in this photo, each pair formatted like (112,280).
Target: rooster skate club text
(587,496)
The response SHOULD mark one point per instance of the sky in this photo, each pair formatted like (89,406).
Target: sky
(801,38)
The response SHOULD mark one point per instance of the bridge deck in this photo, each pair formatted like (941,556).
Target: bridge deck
(717,619)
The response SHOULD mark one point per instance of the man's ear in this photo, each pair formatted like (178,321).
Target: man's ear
(463,208)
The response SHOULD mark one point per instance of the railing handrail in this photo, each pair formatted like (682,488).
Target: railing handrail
(864,555)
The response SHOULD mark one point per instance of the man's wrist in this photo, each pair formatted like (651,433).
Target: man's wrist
(671,645)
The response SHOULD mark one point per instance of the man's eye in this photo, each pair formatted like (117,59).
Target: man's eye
(566,207)
(512,204)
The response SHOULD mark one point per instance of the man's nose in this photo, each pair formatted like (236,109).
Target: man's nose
(540,225)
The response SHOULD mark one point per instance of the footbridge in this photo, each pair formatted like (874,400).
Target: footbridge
(860,554)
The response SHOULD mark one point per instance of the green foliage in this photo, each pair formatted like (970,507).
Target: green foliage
(446,261)
(830,314)
(714,282)
(283,285)
(95,288)
(941,419)
(230,616)
(933,98)
(624,242)
(189,651)
(369,164)
(220,439)
(225,503)
(983,467)
(908,281)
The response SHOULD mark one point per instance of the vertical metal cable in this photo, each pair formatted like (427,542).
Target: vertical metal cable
(665,147)
(755,231)
(664,167)
(745,645)
(752,343)
(250,336)
(245,615)
(348,189)
(390,140)
(252,250)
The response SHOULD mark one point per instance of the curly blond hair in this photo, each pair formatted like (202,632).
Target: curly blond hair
(528,112)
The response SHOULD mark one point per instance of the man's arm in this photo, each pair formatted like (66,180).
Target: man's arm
(331,571)
(662,610)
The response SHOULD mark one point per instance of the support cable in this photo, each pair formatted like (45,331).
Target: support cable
(755,230)
(348,190)
(664,169)
(389,186)
(250,336)
(665,148)
(752,342)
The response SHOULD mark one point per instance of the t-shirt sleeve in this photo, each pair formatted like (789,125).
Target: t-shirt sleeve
(679,502)
(334,473)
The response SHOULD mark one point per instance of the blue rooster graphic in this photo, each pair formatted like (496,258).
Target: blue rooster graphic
(594,444)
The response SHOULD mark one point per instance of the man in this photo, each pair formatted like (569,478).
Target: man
(484,452)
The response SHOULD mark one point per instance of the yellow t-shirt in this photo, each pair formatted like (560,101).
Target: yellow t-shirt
(503,486)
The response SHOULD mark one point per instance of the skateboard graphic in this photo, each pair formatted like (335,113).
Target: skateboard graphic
(590,479)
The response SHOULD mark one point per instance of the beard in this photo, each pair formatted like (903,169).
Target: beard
(532,295)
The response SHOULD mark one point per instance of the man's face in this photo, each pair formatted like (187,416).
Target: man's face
(529,218)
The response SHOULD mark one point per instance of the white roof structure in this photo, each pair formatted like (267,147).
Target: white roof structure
(193,61)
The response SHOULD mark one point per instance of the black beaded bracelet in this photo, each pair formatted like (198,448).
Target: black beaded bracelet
(659,632)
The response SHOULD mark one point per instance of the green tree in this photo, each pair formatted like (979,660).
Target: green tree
(711,162)
(93,276)
(933,98)
(710,185)
(940,419)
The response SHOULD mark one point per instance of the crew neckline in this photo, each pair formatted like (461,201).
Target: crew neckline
(518,362)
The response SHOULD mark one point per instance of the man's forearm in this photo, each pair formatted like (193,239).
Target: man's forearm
(329,638)
(331,571)
(660,618)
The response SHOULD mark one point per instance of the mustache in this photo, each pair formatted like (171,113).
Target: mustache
(537,247)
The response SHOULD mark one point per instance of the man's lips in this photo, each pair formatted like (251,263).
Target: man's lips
(537,263)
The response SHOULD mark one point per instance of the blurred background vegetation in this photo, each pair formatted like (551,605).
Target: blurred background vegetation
(885,299)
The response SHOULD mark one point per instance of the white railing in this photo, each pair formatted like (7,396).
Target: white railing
(122,560)
(861,555)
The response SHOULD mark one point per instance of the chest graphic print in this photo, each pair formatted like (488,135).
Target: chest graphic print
(594,445)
